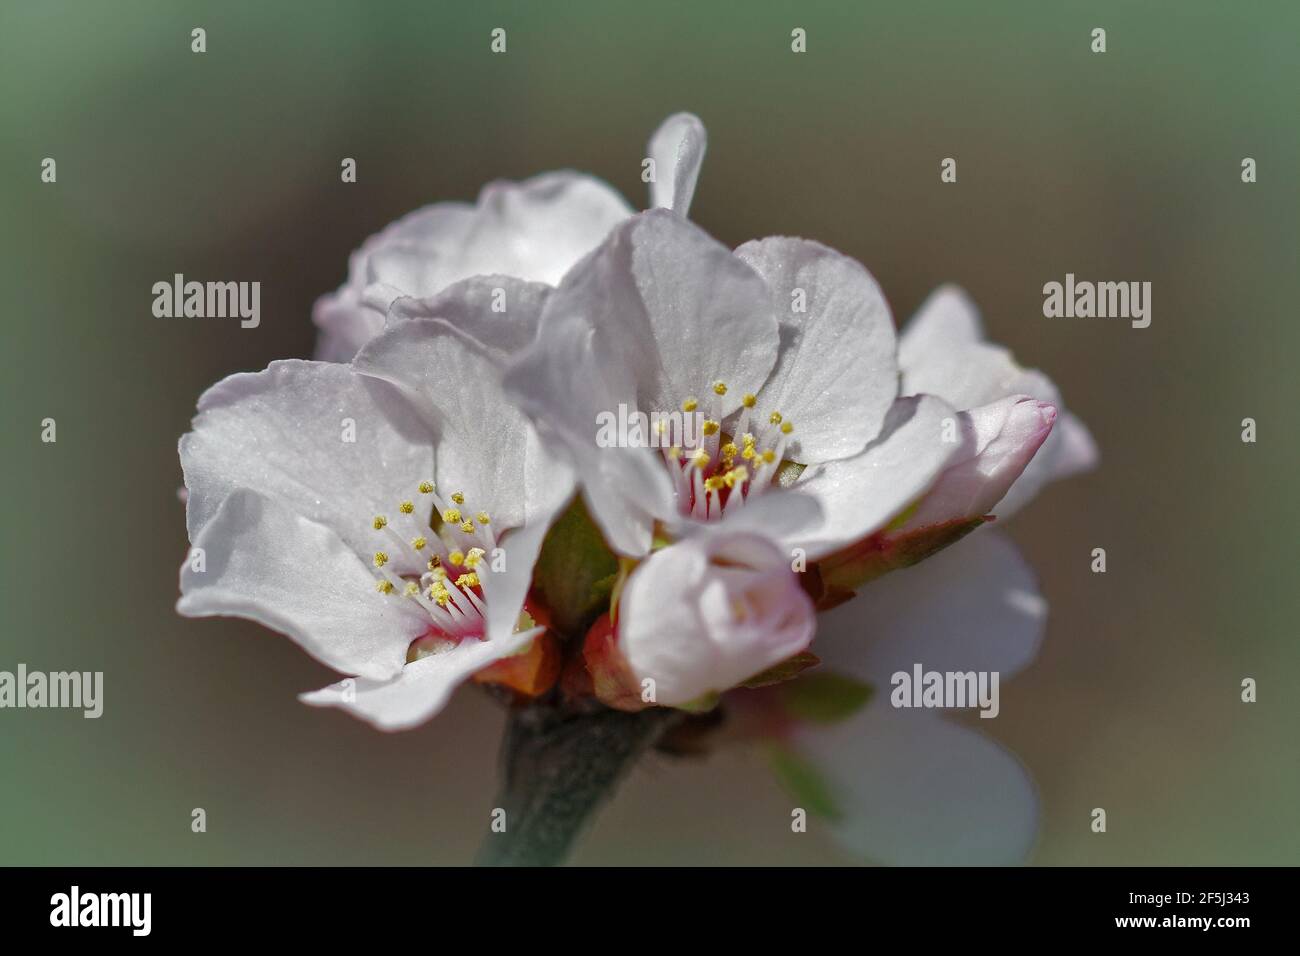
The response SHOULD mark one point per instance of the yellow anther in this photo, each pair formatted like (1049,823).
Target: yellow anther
(440,595)
(419,542)
(380,523)
(482,517)
(380,559)
(713,484)
(749,401)
(719,388)
(435,563)
(769,456)
(467,580)
(690,405)
(748,453)
(457,558)
(457,497)
(700,459)
(426,487)
(787,428)
(451,516)
(737,476)
(774,418)
(411,589)
(748,439)
(710,427)
(439,573)
(467,527)
(384,587)
(729,450)
(474,557)
(406,507)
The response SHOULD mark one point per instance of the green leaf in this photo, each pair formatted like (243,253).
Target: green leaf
(825,697)
(803,780)
(571,571)
(786,670)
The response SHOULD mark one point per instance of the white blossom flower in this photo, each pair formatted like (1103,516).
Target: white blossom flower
(532,231)
(385,515)
(788,349)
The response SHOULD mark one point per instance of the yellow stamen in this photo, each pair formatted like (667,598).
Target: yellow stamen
(467,527)
(701,459)
(384,587)
(380,559)
(713,484)
(380,523)
(787,427)
(457,497)
(749,401)
(426,487)
(719,388)
(775,418)
(451,516)
(710,427)
(419,542)
(457,558)
(467,580)
(411,589)
(769,456)
(482,517)
(406,507)
(690,405)
(435,564)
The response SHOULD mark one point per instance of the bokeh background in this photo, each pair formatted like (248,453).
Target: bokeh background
(226,165)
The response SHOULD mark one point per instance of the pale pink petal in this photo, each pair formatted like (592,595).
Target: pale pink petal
(836,375)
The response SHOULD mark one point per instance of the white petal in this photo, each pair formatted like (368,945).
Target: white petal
(282,432)
(946,320)
(423,687)
(860,495)
(500,312)
(786,517)
(836,375)
(484,446)
(973,606)
(346,320)
(677,148)
(996,443)
(710,611)
(504,591)
(266,563)
(533,230)
(915,789)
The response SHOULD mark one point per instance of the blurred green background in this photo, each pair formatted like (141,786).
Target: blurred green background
(226,165)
